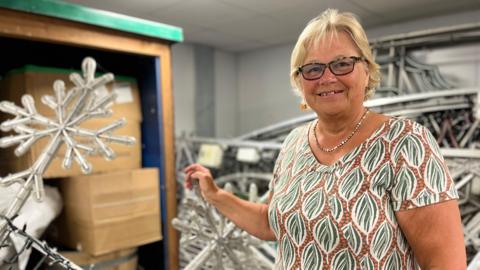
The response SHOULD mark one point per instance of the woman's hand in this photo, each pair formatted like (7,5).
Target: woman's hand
(197,172)
(249,216)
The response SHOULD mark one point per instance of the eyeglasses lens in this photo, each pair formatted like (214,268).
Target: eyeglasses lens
(338,67)
(312,71)
(342,66)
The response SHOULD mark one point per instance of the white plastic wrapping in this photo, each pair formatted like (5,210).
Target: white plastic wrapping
(36,215)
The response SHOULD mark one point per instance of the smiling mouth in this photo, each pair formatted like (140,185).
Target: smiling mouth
(326,94)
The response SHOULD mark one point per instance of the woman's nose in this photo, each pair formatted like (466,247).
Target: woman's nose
(327,77)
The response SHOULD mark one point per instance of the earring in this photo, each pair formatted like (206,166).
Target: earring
(303,105)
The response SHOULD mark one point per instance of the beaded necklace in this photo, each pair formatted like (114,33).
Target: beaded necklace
(344,141)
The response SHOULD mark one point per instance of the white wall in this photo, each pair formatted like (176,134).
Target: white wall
(185,91)
(183,88)
(226,95)
(252,89)
(264,93)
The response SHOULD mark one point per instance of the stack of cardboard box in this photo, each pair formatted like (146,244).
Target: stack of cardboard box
(108,213)
(38,81)
(114,209)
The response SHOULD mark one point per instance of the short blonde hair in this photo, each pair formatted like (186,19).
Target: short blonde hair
(331,21)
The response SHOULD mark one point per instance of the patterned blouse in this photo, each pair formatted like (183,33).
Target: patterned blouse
(343,216)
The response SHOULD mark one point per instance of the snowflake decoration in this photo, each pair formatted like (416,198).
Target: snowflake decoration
(223,244)
(72,108)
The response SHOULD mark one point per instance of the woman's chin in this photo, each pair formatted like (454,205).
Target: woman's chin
(332,106)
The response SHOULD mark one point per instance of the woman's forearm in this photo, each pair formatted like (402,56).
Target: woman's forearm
(249,216)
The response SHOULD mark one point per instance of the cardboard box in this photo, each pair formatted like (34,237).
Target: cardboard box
(108,212)
(125,259)
(38,81)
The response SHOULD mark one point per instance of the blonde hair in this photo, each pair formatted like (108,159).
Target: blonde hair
(332,22)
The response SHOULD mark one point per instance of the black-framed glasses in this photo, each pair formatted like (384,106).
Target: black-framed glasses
(339,67)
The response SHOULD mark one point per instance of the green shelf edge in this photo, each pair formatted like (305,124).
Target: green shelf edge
(107,19)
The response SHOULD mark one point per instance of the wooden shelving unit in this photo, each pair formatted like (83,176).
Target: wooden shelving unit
(54,33)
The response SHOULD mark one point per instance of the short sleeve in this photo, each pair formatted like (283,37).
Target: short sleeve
(421,176)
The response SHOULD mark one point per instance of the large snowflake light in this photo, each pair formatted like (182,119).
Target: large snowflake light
(222,244)
(72,108)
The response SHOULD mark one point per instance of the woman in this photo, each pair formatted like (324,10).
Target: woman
(353,189)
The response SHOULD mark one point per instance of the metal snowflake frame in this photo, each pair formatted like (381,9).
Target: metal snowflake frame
(227,246)
(72,108)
